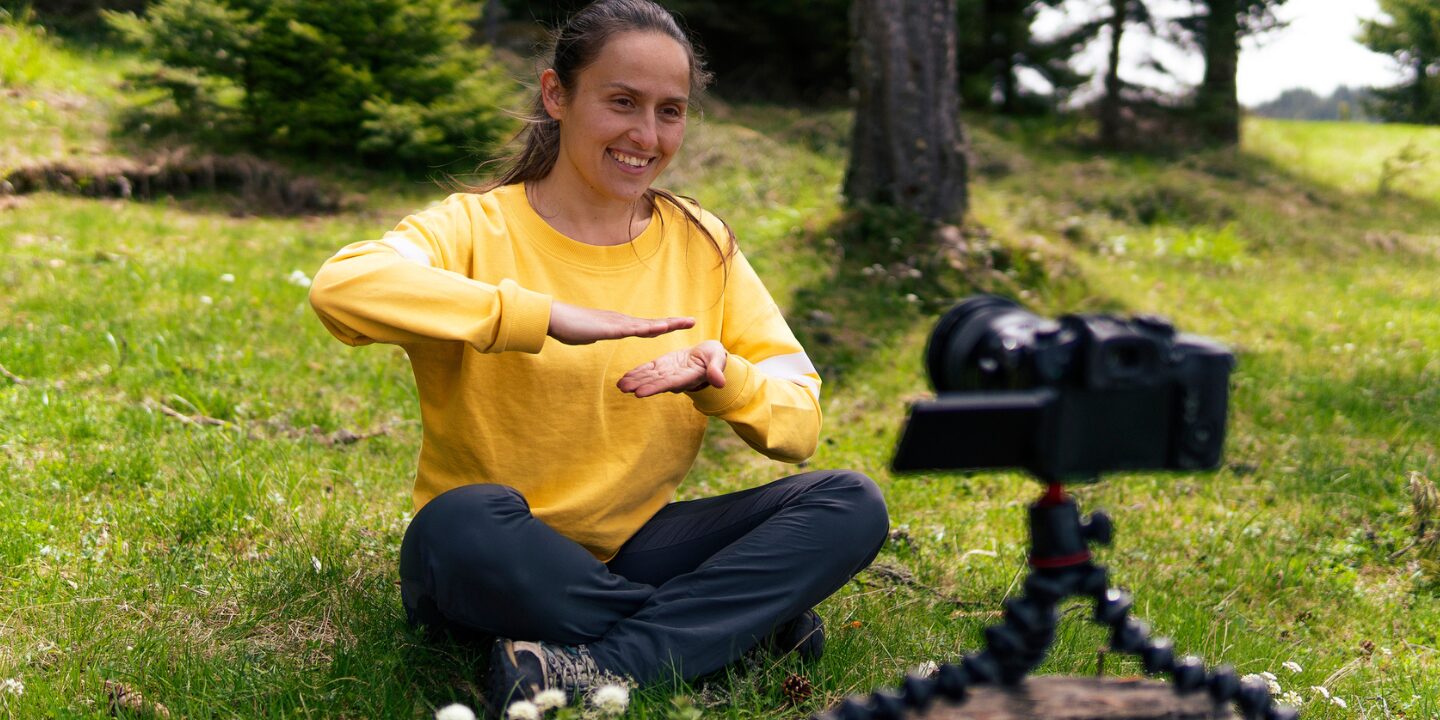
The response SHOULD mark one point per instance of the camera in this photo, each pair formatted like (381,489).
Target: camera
(1066,399)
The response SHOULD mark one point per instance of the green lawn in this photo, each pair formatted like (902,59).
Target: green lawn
(248,568)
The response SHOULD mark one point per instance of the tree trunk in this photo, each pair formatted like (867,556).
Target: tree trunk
(1419,99)
(906,149)
(1217,102)
(1110,104)
(493,12)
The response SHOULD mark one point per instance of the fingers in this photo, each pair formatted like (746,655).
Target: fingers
(640,327)
(575,325)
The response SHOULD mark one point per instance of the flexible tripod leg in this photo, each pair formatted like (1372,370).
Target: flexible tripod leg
(1061,568)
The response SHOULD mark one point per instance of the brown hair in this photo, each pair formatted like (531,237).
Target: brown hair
(576,46)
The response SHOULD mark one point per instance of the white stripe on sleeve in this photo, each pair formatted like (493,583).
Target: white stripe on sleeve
(408,250)
(795,367)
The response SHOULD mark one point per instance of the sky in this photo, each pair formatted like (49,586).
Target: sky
(1316,50)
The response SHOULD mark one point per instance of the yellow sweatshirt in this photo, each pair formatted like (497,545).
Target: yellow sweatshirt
(465,288)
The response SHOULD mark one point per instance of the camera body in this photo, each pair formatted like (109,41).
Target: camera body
(1067,399)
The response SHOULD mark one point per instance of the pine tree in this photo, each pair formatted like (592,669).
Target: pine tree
(1411,35)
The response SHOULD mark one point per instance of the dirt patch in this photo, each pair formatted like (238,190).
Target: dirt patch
(260,187)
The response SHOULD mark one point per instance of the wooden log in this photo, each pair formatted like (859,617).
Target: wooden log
(1081,698)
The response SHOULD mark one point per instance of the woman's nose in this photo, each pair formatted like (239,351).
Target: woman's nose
(643,133)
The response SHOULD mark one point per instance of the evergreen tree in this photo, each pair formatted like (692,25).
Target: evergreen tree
(995,43)
(1411,35)
(390,81)
(1216,29)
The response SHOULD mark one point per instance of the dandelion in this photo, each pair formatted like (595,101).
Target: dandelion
(227,278)
(547,700)
(611,700)
(522,710)
(298,278)
(12,686)
(1292,666)
(455,711)
(1292,699)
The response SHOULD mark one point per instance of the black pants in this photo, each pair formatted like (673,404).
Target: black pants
(697,586)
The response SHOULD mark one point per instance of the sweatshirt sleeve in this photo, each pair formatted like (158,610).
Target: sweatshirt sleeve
(411,286)
(772,392)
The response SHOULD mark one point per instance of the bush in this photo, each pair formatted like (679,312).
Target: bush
(389,81)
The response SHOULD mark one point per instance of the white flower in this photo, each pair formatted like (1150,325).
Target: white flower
(1292,666)
(1321,691)
(315,563)
(206,300)
(1292,699)
(927,669)
(611,699)
(298,278)
(1268,679)
(12,686)
(549,699)
(455,711)
(227,278)
(1338,701)
(522,710)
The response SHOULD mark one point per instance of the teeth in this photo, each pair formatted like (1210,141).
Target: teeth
(629,159)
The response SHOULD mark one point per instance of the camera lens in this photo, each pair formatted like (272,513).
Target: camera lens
(985,343)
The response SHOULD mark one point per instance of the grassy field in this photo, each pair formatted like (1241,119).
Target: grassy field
(245,565)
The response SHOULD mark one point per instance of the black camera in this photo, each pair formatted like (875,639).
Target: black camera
(1067,399)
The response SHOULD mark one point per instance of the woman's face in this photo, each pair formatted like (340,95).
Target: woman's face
(624,120)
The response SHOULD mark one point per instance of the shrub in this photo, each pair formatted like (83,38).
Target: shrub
(390,81)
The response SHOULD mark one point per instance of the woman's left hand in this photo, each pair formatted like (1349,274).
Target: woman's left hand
(679,371)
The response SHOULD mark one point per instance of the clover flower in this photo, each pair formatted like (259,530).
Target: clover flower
(1337,700)
(455,711)
(1292,666)
(522,710)
(547,700)
(12,686)
(611,700)
(1292,699)
(298,277)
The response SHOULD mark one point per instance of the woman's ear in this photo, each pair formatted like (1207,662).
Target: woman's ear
(552,94)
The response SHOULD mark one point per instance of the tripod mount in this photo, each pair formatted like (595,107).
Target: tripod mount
(1061,567)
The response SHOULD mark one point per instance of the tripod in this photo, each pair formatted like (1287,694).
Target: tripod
(1061,567)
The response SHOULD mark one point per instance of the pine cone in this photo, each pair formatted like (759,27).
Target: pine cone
(797,689)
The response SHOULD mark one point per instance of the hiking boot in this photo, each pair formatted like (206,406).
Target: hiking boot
(803,635)
(519,670)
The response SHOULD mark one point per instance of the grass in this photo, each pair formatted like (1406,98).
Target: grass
(248,568)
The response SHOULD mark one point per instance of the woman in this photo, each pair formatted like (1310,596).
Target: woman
(570,329)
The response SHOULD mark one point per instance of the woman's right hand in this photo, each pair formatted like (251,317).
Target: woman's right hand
(575,325)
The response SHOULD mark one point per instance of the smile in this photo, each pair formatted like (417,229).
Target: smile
(630,160)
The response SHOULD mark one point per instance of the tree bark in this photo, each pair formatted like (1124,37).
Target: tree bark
(1110,104)
(1217,102)
(907,142)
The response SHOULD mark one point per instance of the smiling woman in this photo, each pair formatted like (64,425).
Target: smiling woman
(544,516)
